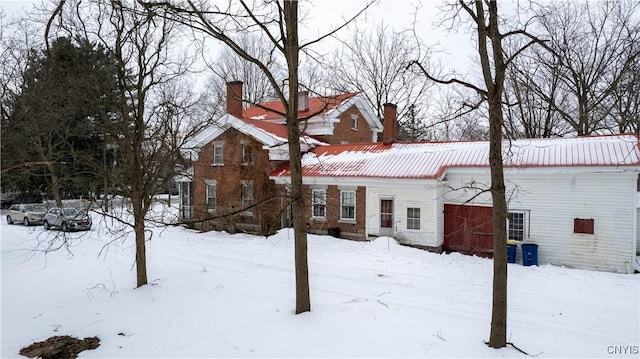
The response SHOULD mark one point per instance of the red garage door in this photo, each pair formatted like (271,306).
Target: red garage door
(468,229)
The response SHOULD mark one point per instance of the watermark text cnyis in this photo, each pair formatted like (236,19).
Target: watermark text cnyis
(623,349)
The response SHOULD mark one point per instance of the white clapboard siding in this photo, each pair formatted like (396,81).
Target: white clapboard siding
(419,194)
(554,198)
(638,225)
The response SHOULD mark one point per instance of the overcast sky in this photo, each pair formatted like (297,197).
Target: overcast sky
(454,48)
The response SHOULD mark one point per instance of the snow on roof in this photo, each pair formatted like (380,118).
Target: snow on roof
(269,134)
(278,131)
(431,159)
(255,121)
(316,105)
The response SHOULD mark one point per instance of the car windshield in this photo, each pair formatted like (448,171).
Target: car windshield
(71,212)
(36,208)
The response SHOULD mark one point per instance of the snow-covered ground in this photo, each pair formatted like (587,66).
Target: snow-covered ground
(220,295)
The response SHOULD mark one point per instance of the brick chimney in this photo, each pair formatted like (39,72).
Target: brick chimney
(234,98)
(390,122)
(303,100)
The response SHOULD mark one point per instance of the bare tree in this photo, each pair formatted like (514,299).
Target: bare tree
(17,37)
(228,66)
(374,62)
(494,62)
(625,113)
(595,46)
(154,116)
(149,134)
(276,22)
(527,114)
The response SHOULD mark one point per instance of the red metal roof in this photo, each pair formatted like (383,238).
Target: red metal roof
(316,105)
(431,159)
(276,129)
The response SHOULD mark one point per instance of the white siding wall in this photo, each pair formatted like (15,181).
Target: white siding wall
(638,233)
(638,224)
(439,216)
(421,194)
(554,199)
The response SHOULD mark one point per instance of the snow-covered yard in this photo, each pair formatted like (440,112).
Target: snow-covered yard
(220,295)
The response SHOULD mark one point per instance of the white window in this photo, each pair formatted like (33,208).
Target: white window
(247,153)
(518,225)
(218,151)
(354,122)
(348,205)
(211,195)
(319,203)
(413,218)
(247,194)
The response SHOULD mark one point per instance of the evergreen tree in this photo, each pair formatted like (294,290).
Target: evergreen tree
(54,136)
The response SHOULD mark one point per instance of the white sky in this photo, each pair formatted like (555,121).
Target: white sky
(453,49)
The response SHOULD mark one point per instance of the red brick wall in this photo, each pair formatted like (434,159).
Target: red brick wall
(342,132)
(230,175)
(228,185)
(348,229)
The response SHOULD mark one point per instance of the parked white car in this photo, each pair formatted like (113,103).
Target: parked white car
(67,219)
(26,214)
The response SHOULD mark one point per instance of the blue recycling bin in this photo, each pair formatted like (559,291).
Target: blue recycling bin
(530,254)
(511,253)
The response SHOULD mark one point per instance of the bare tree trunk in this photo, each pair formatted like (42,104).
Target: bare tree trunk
(55,185)
(303,302)
(495,89)
(141,251)
(498,335)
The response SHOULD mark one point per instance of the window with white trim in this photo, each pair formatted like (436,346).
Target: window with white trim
(413,218)
(211,186)
(354,122)
(218,152)
(247,194)
(247,153)
(319,203)
(518,225)
(348,205)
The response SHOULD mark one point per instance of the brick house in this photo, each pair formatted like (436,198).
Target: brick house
(336,208)
(228,185)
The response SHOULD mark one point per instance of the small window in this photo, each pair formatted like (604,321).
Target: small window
(354,122)
(319,203)
(247,153)
(413,218)
(517,225)
(247,194)
(348,205)
(582,225)
(211,195)
(218,150)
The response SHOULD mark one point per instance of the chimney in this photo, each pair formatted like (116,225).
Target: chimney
(303,100)
(234,98)
(390,122)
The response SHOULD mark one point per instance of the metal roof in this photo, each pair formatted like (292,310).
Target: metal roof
(315,105)
(431,159)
